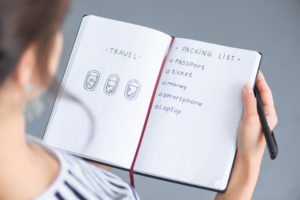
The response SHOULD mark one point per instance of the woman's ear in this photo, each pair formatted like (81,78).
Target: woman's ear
(55,53)
(24,69)
(48,71)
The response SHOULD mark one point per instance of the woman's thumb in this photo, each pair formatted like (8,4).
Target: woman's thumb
(249,102)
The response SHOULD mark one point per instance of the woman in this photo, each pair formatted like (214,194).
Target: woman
(30,45)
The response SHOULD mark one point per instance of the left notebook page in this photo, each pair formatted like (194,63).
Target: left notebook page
(111,75)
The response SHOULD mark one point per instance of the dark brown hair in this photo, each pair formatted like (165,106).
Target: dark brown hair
(26,22)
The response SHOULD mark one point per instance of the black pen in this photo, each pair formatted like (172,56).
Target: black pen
(269,135)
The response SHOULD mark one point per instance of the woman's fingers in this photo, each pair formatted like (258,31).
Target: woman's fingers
(267,100)
(264,91)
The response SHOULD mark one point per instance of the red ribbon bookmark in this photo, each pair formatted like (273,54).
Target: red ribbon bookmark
(131,171)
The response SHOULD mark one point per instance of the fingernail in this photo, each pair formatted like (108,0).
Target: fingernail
(248,87)
(261,73)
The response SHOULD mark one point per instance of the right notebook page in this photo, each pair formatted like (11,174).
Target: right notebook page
(193,125)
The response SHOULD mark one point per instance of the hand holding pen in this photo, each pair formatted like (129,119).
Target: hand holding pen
(251,142)
(259,113)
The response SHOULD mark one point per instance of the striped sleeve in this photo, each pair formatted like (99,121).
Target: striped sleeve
(80,180)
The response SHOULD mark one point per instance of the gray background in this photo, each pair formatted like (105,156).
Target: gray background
(272,27)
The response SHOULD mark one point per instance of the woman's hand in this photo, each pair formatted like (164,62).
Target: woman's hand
(105,167)
(250,143)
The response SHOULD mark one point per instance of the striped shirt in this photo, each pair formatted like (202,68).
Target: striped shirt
(79,180)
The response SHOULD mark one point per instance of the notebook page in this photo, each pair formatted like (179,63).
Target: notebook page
(113,70)
(191,133)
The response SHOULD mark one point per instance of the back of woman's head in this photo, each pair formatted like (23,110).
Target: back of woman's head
(28,22)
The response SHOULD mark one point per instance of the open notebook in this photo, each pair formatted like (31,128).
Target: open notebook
(183,96)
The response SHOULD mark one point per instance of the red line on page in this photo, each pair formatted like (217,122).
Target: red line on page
(131,171)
